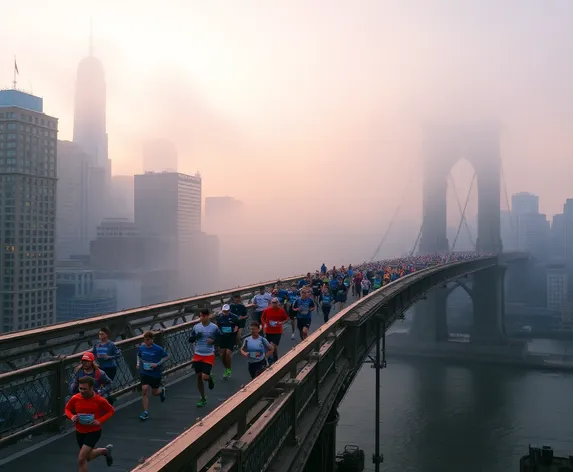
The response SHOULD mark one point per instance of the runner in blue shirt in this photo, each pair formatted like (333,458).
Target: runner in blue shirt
(150,358)
(303,306)
(326,300)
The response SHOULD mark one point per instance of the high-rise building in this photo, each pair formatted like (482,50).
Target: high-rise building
(524,203)
(558,237)
(72,223)
(28,166)
(90,110)
(159,155)
(168,204)
(533,235)
(168,207)
(557,286)
(91,136)
(139,270)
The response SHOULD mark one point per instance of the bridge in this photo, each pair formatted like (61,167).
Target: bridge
(285,419)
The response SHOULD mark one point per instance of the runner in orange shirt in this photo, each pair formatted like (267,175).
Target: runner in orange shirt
(88,411)
(273,319)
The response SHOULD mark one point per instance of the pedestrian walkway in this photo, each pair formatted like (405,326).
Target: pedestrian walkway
(135,440)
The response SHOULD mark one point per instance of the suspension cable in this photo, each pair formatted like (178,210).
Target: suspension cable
(459,203)
(417,239)
(395,215)
(462,218)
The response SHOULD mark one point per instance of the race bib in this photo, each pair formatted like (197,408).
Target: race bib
(254,355)
(84,418)
(227,329)
(273,323)
(147,366)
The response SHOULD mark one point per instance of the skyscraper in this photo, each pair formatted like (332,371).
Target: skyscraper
(73,200)
(28,157)
(168,204)
(90,110)
(91,136)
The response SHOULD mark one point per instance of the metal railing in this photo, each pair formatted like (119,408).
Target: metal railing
(23,348)
(299,390)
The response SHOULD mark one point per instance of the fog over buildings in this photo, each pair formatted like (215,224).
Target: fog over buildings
(242,142)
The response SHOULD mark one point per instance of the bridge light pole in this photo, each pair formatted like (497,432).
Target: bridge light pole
(378,363)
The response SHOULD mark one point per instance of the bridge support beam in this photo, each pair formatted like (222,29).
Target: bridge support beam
(489,307)
(430,320)
(323,455)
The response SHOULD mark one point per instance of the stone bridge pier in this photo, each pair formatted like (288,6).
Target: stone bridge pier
(488,298)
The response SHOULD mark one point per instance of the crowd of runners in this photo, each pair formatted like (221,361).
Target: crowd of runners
(266,314)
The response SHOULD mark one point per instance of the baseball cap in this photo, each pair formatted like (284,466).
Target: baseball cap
(88,356)
(274,300)
(226,307)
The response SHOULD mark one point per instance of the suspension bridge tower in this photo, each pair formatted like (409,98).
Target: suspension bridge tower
(444,146)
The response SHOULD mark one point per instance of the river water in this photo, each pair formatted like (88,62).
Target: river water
(437,416)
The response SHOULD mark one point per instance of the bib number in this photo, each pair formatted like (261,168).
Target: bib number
(227,329)
(84,418)
(254,355)
(147,366)
(273,323)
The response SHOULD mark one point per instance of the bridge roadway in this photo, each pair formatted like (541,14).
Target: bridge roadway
(135,440)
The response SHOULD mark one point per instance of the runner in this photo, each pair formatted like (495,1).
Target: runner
(204,335)
(150,357)
(365,285)
(325,302)
(228,324)
(257,350)
(260,302)
(303,306)
(89,411)
(107,355)
(293,294)
(273,319)
(89,368)
(240,311)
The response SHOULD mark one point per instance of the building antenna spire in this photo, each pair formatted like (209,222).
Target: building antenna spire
(16,74)
(91,40)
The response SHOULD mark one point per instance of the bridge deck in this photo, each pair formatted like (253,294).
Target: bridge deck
(135,440)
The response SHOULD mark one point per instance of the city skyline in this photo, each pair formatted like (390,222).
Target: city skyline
(147,86)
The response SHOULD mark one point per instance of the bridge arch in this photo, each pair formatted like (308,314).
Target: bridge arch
(445,145)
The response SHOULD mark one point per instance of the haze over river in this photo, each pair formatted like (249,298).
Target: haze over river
(437,416)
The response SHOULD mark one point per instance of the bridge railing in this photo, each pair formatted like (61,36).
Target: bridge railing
(280,413)
(23,348)
(32,398)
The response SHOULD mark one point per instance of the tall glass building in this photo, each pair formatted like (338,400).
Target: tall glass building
(28,159)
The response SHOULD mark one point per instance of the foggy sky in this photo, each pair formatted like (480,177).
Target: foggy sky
(305,101)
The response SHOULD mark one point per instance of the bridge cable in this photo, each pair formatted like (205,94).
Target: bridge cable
(395,215)
(462,218)
(417,239)
(459,203)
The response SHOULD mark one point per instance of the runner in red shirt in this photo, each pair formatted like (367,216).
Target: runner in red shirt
(273,319)
(88,411)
